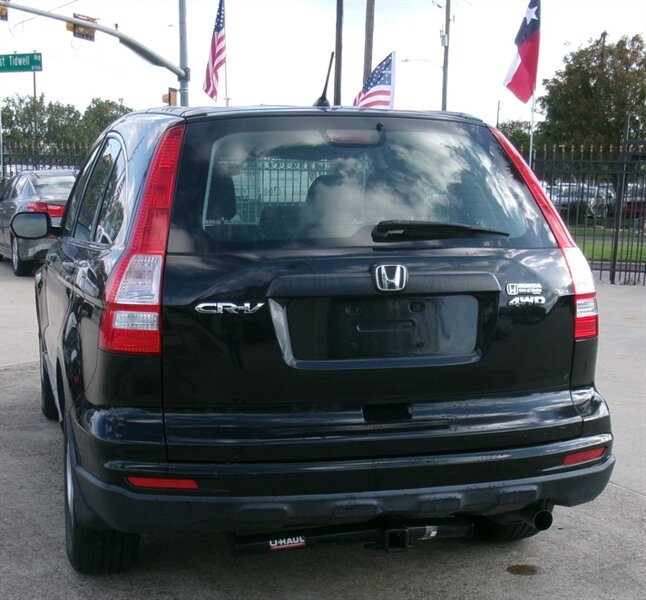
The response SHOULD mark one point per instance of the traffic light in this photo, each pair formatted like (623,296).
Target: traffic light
(171,97)
(84,33)
(4,13)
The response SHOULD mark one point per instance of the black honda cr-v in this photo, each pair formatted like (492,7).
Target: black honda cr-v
(306,325)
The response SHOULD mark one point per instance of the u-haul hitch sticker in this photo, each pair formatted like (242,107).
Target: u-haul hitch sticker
(288,543)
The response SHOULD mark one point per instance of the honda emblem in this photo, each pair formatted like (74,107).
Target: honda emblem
(391,278)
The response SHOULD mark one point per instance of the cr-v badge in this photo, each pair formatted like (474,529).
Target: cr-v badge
(218,308)
(391,278)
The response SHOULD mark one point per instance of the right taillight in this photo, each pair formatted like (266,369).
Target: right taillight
(131,320)
(586,314)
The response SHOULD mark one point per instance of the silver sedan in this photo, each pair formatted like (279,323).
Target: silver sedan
(32,191)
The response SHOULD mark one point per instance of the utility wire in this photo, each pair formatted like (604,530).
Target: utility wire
(52,10)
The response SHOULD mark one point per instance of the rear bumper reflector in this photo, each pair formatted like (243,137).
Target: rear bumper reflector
(157,483)
(581,457)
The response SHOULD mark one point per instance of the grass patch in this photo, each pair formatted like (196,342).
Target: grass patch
(596,243)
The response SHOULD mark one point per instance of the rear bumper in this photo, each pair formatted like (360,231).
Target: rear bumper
(211,509)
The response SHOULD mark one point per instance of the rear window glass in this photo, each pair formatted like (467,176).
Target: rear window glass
(285,181)
(54,185)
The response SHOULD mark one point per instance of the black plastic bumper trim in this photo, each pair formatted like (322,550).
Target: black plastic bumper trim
(163,513)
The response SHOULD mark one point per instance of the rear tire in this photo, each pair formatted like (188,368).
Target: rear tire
(92,551)
(20,267)
(489,530)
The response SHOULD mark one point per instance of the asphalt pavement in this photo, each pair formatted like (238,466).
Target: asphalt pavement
(594,551)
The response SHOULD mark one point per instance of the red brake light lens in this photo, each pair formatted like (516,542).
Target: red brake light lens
(586,323)
(54,210)
(131,319)
(586,313)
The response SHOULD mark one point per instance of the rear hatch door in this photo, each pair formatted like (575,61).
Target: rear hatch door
(299,324)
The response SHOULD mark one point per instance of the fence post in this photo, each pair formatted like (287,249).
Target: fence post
(619,201)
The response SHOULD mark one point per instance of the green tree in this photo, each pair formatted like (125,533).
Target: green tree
(31,122)
(63,125)
(24,120)
(517,132)
(98,115)
(587,102)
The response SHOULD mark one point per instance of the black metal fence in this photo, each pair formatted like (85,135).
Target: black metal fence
(21,158)
(601,194)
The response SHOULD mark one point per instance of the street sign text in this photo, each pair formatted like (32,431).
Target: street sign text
(21,62)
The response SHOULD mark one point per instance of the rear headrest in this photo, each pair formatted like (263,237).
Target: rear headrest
(334,205)
(385,179)
(280,221)
(222,198)
(318,187)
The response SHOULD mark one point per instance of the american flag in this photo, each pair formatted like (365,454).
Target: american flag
(217,54)
(521,78)
(378,90)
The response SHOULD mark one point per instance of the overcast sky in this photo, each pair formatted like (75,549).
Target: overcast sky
(278,50)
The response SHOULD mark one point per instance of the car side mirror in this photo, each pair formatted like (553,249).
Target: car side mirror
(31,225)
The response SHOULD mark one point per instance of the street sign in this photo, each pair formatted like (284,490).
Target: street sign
(13,63)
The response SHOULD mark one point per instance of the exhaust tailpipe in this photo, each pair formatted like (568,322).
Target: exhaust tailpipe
(537,517)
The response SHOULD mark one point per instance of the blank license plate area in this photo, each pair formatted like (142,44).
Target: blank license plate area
(383,327)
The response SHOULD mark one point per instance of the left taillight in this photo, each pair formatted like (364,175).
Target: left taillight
(131,320)
(54,210)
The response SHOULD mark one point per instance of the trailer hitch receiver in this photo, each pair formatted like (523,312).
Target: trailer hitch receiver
(389,535)
(396,540)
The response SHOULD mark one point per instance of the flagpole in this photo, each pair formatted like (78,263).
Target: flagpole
(531,135)
(392,82)
(226,85)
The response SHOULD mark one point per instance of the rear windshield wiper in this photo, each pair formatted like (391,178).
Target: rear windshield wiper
(393,231)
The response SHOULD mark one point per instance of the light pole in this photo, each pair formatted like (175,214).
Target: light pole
(183,56)
(338,53)
(370,27)
(444,37)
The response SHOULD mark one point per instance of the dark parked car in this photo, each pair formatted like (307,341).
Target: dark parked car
(634,208)
(34,191)
(313,325)
(576,202)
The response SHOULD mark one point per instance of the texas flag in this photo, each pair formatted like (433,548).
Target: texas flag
(521,78)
